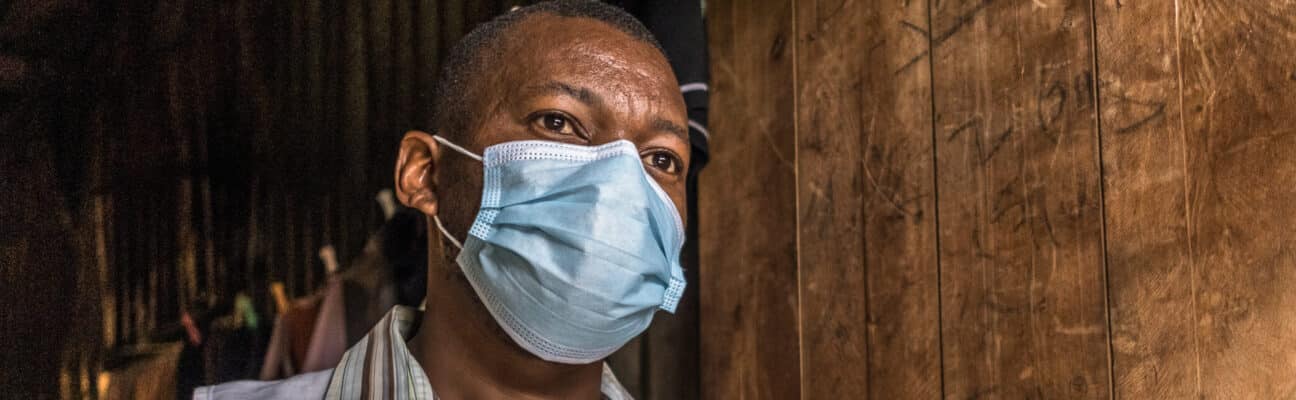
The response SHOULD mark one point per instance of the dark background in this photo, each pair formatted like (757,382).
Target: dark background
(159,155)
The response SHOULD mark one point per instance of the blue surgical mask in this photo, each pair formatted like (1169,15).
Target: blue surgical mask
(574,248)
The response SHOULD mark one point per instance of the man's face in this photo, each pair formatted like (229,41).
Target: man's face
(578,81)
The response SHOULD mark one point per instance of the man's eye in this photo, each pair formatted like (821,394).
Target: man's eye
(663,161)
(556,123)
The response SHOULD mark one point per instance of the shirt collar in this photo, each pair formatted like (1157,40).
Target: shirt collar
(380,365)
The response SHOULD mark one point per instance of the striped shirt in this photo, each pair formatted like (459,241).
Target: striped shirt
(379,366)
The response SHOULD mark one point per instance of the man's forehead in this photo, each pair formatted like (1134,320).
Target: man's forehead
(592,59)
(552,44)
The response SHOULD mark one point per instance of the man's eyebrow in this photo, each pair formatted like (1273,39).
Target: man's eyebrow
(588,97)
(580,94)
(663,124)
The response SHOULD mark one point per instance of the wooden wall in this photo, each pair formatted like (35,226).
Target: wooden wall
(1000,199)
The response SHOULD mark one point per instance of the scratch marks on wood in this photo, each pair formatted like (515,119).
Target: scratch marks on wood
(778,47)
(822,23)
(1146,110)
(1057,95)
(892,188)
(996,144)
(1015,202)
(774,147)
(1150,110)
(1158,111)
(1054,98)
(1048,225)
(961,22)
(923,32)
(974,122)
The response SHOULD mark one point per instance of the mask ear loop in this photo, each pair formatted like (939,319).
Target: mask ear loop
(446,233)
(465,152)
(456,147)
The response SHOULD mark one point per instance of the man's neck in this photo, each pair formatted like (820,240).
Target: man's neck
(467,356)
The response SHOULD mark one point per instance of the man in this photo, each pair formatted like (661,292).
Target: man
(554,178)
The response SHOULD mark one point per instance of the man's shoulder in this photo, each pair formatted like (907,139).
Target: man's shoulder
(305,386)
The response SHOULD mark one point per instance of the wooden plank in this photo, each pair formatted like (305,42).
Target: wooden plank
(104,251)
(1018,183)
(290,250)
(312,62)
(314,109)
(452,23)
(1199,176)
(832,281)
(868,276)
(310,250)
(405,82)
(747,277)
(37,259)
(427,61)
(354,106)
(383,135)
(157,264)
(175,91)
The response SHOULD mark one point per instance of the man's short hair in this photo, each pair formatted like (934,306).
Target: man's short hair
(473,55)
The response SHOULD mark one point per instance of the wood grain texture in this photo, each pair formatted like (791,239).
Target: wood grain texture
(427,61)
(832,276)
(868,277)
(1198,141)
(1022,280)
(747,242)
(380,53)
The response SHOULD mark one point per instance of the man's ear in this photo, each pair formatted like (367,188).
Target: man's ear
(416,172)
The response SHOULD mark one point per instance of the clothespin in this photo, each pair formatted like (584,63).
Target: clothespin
(387,201)
(329,257)
(280,297)
(103,382)
(244,312)
(191,328)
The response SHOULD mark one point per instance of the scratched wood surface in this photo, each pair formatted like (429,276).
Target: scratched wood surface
(1198,147)
(994,199)
(748,276)
(829,190)
(1022,285)
(867,221)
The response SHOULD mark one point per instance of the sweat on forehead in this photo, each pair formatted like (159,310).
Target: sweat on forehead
(475,56)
